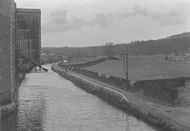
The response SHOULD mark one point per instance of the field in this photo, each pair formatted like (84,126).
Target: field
(144,68)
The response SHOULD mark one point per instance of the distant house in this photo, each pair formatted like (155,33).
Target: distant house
(65,61)
(171,57)
(187,56)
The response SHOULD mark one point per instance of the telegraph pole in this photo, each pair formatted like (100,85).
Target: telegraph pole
(124,63)
(127,63)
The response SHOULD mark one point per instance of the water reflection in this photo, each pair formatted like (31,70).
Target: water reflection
(31,111)
(9,123)
(47,102)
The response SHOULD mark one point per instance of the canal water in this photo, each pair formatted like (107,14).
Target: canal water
(48,102)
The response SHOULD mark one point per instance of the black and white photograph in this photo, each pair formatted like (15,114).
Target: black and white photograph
(94,65)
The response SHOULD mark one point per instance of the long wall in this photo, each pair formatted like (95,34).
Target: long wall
(83,64)
(169,91)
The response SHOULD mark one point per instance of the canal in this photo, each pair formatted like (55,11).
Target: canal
(48,102)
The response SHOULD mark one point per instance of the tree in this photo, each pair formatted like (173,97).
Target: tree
(109,49)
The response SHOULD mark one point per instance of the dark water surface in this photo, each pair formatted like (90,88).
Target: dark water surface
(48,102)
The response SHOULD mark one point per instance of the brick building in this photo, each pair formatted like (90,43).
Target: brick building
(19,34)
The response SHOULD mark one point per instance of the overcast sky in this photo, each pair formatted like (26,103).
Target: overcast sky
(95,22)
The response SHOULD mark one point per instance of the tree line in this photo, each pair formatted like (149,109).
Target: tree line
(173,44)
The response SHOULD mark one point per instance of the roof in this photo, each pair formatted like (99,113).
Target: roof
(28,10)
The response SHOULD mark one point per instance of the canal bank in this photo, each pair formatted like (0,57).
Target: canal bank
(155,114)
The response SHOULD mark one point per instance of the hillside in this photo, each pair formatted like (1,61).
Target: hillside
(143,68)
(179,44)
(185,34)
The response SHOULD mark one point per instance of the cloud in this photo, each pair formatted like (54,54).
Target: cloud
(174,18)
(139,10)
(60,22)
(104,20)
(179,15)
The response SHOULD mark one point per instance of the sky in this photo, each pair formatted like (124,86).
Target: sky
(96,22)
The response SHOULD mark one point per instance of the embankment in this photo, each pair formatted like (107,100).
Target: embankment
(119,100)
(169,91)
(84,64)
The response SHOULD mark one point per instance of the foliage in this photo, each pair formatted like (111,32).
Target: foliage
(108,49)
(178,44)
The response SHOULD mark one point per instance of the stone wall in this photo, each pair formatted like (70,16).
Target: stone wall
(83,64)
(169,91)
(115,81)
(166,90)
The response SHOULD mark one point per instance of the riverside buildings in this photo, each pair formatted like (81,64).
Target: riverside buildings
(20,40)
